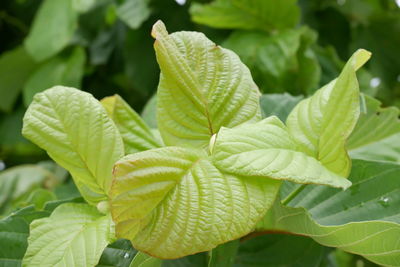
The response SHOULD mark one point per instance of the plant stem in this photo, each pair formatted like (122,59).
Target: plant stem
(292,195)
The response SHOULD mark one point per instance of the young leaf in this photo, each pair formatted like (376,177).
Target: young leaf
(143,260)
(74,235)
(14,231)
(202,88)
(323,122)
(376,124)
(134,131)
(363,220)
(172,201)
(76,132)
(266,149)
(52,29)
(265,15)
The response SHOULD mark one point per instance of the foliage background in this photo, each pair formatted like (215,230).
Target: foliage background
(104,47)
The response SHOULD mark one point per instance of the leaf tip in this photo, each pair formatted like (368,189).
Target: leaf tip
(158,30)
(359,58)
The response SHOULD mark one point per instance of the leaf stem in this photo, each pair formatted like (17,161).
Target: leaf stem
(294,193)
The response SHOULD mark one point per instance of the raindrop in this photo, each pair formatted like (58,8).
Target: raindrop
(181,2)
(2,165)
(126,255)
(375,82)
(384,201)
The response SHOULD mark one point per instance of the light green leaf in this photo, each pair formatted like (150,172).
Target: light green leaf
(266,149)
(83,6)
(387,149)
(74,129)
(74,235)
(52,29)
(143,260)
(375,124)
(15,67)
(265,15)
(278,105)
(202,88)
(323,122)
(57,71)
(224,255)
(363,220)
(14,231)
(172,202)
(149,113)
(134,131)
(278,62)
(134,12)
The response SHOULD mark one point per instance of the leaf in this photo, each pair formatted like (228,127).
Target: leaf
(15,68)
(224,254)
(14,231)
(134,12)
(19,181)
(363,220)
(279,62)
(118,254)
(278,105)
(83,6)
(76,132)
(202,88)
(149,113)
(52,29)
(387,149)
(323,122)
(266,149)
(74,235)
(265,15)
(134,131)
(57,71)
(143,260)
(375,124)
(171,202)
(268,250)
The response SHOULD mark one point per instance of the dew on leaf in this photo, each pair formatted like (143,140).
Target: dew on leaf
(384,201)
(126,255)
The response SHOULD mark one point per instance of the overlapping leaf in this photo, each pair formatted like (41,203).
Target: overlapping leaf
(375,124)
(265,15)
(173,201)
(323,122)
(76,132)
(202,87)
(74,235)
(266,149)
(363,220)
(134,131)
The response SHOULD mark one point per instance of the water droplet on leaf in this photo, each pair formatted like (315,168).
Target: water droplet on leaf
(384,201)
(126,255)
